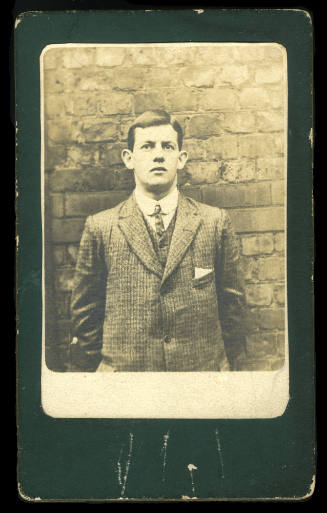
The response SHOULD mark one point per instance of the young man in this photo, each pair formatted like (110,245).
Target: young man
(156,285)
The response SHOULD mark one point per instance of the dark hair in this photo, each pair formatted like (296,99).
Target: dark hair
(154,118)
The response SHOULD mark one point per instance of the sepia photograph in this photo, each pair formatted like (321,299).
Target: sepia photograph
(164,208)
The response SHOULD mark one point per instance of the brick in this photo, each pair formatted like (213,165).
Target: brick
(57,205)
(269,75)
(80,155)
(64,279)
(224,147)
(260,345)
(72,253)
(182,100)
(53,82)
(270,168)
(257,244)
(236,171)
(54,156)
(205,125)
(240,122)
(270,319)
(274,52)
(249,53)
(264,219)
(59,131)
(168,56)
(196,149)
(197,77)
(129,78)
(67,230)
(280,342)
(260,145)
(161,77)
(255,364)
(96,179)
(248,268)
(144,56)
(202,172)
(78,57)
(214,55)
(234,74)
(99,81)
(57,105)
(270,121)
(279,242)
(279,294)
(271,268)
(255,98)
(83,204)
(115,103)
(259,294)
(110,56)
(228,196)
(149,101)
(52,58)
(277,190)
(95,130)
(85,105)
(219,99)
(59,255)
(111,154)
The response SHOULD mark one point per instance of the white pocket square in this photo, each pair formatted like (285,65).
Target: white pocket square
(199,272)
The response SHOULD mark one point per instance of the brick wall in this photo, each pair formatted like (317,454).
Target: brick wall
(229,99)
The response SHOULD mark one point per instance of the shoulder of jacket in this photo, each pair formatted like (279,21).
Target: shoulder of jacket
(102,218)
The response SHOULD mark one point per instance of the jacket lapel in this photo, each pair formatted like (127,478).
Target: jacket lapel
(132,225)
(187,223)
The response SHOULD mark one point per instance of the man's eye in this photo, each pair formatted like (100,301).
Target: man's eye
(169,147)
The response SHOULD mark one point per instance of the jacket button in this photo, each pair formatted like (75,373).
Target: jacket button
(167,339)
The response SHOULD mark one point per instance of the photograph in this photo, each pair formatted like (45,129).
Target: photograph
(164,216)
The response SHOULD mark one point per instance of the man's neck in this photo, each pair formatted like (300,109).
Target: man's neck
(156,196)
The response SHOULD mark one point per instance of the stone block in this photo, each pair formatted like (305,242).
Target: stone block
(248,53)
(258,244)
(205,125)
(270,121)
(260,145)
(259,294)
(240,122)
(254,98)
(263,219)
(64,279)
(129,78)
(95,130)
(279,242)
(67,230)
(78,57)
(234,74)
(110,154)
(271,268)
(149,101)
(202,172)
(57,205)
(270,319)
(88,203)
(115,103)
(230,196)
(59,255)
(72,254)
(197,76)
(59,131)
(279,294)
(219,99)
(55,155)
(269,75)
(236,171)
(261,345)
(224,147)
(270,168)
(85,105)
(195,148)
(110,56)
(182,99)
(278,192)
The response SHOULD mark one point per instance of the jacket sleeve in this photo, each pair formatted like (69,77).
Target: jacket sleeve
(88,301)
(230,293)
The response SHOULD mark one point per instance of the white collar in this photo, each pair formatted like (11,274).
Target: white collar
(168,203)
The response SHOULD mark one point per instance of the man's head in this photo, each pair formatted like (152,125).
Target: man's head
(155,152)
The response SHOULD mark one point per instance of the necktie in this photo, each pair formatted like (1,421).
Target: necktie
(158,222)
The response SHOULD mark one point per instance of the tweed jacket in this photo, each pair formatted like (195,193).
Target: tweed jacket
(135,315)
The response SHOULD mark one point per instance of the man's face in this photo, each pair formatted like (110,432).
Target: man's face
(155,158)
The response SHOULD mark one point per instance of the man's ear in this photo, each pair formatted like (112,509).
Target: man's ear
(182,159)
(127,156)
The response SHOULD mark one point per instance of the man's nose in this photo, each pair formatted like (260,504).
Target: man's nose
(158,154)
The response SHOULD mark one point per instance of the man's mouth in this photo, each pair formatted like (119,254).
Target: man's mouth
(159,169)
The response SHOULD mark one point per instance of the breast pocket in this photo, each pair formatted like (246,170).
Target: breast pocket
(203,280)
